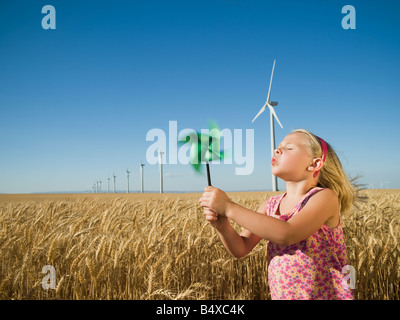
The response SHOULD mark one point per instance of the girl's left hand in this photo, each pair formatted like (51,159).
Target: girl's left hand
(215,199)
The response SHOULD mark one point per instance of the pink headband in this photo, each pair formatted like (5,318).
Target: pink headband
(324,147)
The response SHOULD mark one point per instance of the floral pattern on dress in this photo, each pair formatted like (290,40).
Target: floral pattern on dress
(312,268)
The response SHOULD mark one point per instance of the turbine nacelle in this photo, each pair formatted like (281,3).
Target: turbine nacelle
(271,109)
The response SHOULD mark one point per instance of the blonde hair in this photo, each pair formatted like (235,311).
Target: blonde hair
(332,174)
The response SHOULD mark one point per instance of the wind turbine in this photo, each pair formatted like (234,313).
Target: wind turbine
(108,185)
(272,114)
(160,153)
(114,176)
(141,177)
(127,176)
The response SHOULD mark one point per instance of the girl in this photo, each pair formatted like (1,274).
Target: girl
(306,250)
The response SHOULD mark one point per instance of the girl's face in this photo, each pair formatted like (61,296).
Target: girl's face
(292,158)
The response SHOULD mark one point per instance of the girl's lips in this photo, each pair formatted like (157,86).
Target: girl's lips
(273,160)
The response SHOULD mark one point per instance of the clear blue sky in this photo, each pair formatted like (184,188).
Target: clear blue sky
(77,102)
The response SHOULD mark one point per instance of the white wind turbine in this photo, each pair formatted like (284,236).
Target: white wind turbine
(114,176)
(141,177)
(127,177)
(160,153)
(272,114)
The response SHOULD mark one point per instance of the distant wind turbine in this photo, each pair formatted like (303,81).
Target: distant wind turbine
(272,114)
(127,176)
(108,185)
(141,177)
(160,153)
(114,176)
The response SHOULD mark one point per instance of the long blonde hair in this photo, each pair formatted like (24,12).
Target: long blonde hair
(332,174)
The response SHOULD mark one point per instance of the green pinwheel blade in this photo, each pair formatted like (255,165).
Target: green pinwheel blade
(204,147)
(214,151)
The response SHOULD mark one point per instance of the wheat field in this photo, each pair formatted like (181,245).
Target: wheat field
(159,246)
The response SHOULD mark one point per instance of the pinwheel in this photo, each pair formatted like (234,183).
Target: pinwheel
(204,147)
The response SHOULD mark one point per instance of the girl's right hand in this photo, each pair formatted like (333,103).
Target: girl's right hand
(216,221)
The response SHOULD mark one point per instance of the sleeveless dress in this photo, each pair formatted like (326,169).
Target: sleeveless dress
(312,268)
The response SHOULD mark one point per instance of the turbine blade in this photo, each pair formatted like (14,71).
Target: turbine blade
(259,112)
(270,82)
(274,114)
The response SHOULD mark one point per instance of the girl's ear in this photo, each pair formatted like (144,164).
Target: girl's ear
(316,165)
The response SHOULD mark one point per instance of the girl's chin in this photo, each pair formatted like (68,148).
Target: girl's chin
(276,172)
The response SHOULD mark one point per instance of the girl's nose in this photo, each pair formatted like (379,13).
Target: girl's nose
(277,151)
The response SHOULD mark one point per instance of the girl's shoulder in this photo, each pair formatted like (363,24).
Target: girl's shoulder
(326,203)
(319,194)
(322,193)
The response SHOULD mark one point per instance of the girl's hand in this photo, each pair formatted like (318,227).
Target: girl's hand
(218,222)
(215,200)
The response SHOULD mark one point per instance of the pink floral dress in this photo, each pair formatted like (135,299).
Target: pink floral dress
(312,268)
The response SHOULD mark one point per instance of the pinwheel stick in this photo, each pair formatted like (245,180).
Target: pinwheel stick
(208,173)
(208,165)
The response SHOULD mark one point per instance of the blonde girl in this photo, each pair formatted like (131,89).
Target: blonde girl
(306,251)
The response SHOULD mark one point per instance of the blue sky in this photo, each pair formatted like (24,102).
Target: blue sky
(77,102)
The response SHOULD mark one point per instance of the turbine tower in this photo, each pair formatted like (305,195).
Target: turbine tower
(272,114)
(127,177)
(160,153)
(114,176)
(141,177)
(108,185)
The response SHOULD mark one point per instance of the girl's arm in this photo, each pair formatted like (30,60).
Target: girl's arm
(321,207)
(238,245)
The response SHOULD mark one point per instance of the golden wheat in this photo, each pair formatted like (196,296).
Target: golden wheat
(154,246)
